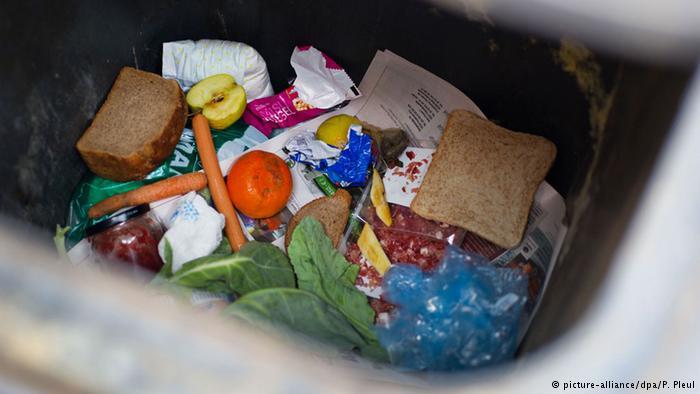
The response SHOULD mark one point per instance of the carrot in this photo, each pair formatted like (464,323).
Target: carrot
(149,193)
(217,186)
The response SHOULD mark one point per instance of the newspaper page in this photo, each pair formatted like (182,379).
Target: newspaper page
(398,93)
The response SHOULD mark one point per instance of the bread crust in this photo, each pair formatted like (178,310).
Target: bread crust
(140,163)
(341,199)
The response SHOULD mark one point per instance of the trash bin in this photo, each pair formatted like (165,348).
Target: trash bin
(609,116)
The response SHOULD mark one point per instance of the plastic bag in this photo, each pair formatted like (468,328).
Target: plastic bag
(350,170)
(189,62)
(465,314)
(305,148)
(184,159)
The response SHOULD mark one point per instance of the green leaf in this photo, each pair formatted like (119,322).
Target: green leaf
(161,281)
(59,240)
(206,194)
(168,252)
(224,247)
(257,266)
(166,271)
(297,310)
(181,293)
(268,255)
(322,270)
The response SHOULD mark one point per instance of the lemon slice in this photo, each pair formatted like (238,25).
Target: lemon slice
(334,130)
(372,250)
(376,194)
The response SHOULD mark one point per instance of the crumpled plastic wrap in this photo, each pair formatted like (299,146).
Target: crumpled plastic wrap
(305,148)
(350,169)
(463,315)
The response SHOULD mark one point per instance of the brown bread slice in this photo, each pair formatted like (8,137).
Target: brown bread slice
(136,128)
(332,212)
(484,178)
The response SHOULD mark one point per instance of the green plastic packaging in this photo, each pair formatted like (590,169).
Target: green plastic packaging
(184,159)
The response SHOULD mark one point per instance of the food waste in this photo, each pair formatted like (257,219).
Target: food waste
(354,268)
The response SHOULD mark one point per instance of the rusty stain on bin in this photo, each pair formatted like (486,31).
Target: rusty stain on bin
(579,61)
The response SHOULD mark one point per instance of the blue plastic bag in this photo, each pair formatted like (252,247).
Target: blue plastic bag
(351,168)
(463,315)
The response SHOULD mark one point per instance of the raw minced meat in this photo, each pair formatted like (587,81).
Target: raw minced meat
(368,277)
(411,239)
(411,248)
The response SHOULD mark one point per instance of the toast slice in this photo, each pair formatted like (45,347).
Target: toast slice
(484,178)
(136,128)
(333,213)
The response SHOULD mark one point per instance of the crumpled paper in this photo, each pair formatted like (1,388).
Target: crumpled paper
(194,230)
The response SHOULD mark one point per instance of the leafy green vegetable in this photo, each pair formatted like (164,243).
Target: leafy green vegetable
(59,240)
(258,265)
(322,270)
(224,247)
(167,270)
(161,281)
(268,255)
(206,195)
(297,310)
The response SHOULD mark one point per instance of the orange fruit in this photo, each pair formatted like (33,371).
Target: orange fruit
(259,184)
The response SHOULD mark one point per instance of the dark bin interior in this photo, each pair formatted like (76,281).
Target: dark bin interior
(608,116)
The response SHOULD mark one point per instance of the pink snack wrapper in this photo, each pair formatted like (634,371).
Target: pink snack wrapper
(284,109)
(320,85)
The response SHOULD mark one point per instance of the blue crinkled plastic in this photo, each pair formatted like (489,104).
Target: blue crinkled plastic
(351,168)
(463,315)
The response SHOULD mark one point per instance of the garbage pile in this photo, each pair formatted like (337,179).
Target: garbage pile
(390,219)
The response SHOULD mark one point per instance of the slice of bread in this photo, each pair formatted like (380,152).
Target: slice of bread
(484,178)
(136,128)
(332,212)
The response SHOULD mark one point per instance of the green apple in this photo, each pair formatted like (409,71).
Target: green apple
(221,100)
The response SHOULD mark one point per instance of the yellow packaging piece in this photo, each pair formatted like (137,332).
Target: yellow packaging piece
(379,199)
(372,250)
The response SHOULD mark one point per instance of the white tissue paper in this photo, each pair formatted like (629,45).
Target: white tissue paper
(194,230)
(188,62)
(320,81)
